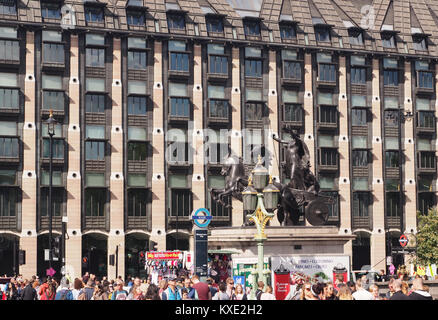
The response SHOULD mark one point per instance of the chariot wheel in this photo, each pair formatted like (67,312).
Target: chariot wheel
(317,212)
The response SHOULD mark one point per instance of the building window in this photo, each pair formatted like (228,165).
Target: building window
(135,18)
(9,45)
(215,26)
(93,14)
(50,10)
(9,91)
(8,7)
(95,142)
(288,32)
(361,203)
(8,201)
(252,28)
(358,117)
(180,196)
(392,159)
(178,56)
(53,49)
(253,62)
(53,94)
(137,203)
(95,202)
(178,151)
(95,103)
(217,60)
(393,204)
(179,102)
(356,37)
(176,22)
(57,201)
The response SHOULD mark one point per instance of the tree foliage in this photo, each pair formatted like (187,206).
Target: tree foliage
(427,237)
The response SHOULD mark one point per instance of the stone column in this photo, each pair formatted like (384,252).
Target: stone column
(272,145)
(73,243)
(198,180)
(236,132)
(410,190)
(378,236)
(116,235)
(344,157)
(28,239)
(159,213)
(309,135)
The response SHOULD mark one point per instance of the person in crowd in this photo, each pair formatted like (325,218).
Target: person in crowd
(307,293)
(418,291)
(28,293)
(120,293)
(259,290)
(374,289)
(361,293)
(239,294)
(267,295)
(64,293)
(193,294)
(152,293)
(398,293)
(344,293)
(222,293)
(201,288)
(172,292)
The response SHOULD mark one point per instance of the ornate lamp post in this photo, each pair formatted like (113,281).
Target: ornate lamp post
(262,200)
(51,131)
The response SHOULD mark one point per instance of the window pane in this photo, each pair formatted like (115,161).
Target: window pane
(135,133)
(8,128)
(95,84)
(177,46)
(95,179)
(217,92)
(95,39)
(95,132)
(359,142)
(136,180)
(178,181)
(290,96)
(137,87)
(177,89)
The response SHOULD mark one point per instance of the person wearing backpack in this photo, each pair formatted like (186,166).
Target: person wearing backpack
(65,292)
(119,293)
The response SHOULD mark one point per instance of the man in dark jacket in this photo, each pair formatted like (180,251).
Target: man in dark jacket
(28,293)
(398,294)
(418,291)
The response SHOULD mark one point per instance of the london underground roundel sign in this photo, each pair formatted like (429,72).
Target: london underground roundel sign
(202,217)
(403,240)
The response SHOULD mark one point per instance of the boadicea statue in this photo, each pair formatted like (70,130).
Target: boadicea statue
(302,191)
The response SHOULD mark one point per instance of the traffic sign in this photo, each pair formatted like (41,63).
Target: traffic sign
(403,240)
(202,217)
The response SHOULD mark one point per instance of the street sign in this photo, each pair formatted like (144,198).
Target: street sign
(202,217)
(403,240)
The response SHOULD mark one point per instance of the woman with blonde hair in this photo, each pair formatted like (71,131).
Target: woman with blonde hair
(344,293)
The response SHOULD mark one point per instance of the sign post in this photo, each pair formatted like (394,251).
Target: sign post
(201,218)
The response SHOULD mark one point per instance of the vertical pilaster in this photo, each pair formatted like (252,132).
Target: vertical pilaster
(116,235)
(409,187)
(28,239)
(344,158)
(198,180)
(273,146)
(73,242)
(236,132)
(377,238)
(309,134)
(158,233)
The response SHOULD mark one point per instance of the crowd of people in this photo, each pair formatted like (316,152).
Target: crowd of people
(90,287)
